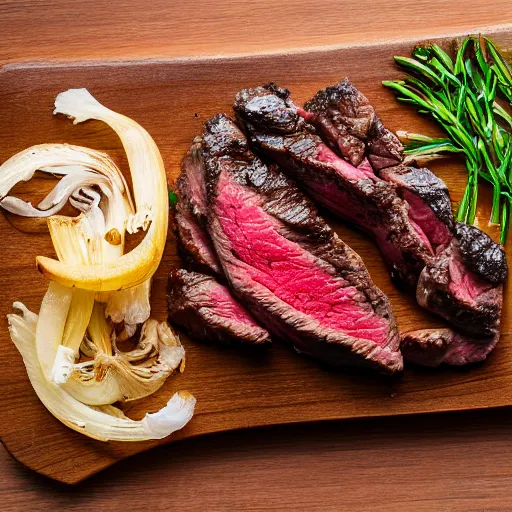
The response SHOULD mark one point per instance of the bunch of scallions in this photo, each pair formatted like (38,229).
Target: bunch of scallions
(469,96)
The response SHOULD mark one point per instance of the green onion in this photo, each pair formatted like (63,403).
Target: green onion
(173,199)
(461,95)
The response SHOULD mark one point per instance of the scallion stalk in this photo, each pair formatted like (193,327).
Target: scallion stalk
(460,94)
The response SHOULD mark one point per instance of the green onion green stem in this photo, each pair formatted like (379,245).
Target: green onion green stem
(461,94)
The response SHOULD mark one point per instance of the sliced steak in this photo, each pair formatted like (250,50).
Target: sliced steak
(285,263)
(462,284)
(407,210)
(195,244)
(428,199)
(191,185)
(432,347)
(208,311)
(481,254)
(276,128)
(346,119)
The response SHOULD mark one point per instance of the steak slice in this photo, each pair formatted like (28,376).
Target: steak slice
(285,263)
(208,311)
(346,119)
(428,199)
(191,185)
(432,347)
(481,254)
(195,244)
(275,127)
(463,283)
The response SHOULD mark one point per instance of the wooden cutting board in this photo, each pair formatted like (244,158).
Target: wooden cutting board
(172,99)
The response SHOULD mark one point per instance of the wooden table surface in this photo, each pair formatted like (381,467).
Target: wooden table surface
(448,462)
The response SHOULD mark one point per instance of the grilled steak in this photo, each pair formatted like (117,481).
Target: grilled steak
(197,302)
(407,210)
(276,128)
(285,263)
(451,288)
(431,347)
(347,120)
(428,199)
(191,184)
(208,311)
(462,283)
(481,254)
(195,244)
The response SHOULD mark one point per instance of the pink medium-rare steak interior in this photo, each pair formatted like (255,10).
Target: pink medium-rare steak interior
(347,120)
(435,232)
(226,307)
(428,199)
(209,312)
(450,289)
(276,128)
(195,241)
(465,285)
(195,244)
(292,274)
(286,264)
(407,210)
(326,155)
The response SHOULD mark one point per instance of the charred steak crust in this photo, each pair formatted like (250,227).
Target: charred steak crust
(432,347)
(345,116)
(411,206)
(480,320)
(208,312)
(284,200)
(195,245)
(425,184)
(470,303)
(263,229)
(481,254)
(276,129)
(190,183)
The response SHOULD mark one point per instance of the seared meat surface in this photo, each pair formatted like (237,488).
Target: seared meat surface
(285,263)
(456,269)
(456,285)
(208,311)
(194,241)
(433,347)
(350,124)
(372,204)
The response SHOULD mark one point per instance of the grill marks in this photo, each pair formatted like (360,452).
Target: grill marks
(456,270)
(195,243)
(293,275)
(469,301)
(432,347)
(196,301)
(207,310)
(352,193)
(428,199)
(331,311)
(249,223)
(349,123)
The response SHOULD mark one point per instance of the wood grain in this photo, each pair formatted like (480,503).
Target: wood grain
(234,390)
(437,463)
(450,473)
(40,29)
